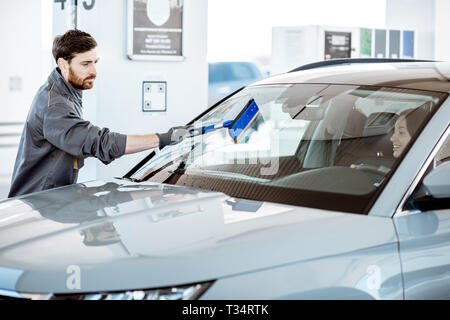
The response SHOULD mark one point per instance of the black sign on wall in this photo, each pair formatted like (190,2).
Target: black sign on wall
(155,29)
(338,45)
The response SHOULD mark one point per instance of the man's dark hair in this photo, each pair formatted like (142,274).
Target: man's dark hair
(72,42)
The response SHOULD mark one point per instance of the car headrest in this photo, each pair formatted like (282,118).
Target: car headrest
(355,124)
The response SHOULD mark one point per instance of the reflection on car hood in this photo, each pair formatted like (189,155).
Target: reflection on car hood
(124,235)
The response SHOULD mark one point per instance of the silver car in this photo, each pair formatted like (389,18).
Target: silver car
(340,189)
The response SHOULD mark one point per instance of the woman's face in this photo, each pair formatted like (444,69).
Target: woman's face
(400,138)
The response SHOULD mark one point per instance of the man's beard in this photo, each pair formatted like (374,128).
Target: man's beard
(79,83)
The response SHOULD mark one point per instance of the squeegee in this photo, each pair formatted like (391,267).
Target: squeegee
(244,120)
(236,127)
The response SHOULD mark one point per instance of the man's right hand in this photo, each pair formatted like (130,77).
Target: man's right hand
(138,143)
(173,136)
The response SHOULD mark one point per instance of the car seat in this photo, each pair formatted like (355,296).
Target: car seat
(370,143)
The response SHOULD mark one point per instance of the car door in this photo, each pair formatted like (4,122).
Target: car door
(424,238)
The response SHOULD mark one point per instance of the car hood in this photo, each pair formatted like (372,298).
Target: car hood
(124,235)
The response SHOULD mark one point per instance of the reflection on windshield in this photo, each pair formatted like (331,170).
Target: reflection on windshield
(311,142)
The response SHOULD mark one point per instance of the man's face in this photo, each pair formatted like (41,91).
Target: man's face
(82,70)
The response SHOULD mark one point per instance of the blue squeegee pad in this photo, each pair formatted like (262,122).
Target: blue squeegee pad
(243,120)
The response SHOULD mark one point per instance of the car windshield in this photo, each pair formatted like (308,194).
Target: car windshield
(317,145)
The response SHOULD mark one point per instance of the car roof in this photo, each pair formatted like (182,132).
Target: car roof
(230,62)
(432,76)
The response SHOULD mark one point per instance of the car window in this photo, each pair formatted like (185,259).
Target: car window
(216,73)
(310,142)
(241,71)
(232,71)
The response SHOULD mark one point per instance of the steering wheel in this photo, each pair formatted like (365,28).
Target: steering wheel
(380,170)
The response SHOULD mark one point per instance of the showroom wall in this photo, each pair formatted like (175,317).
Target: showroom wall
(24,65)
(22,52)
(442,30)
(417,15)
(430,18)
(116,101)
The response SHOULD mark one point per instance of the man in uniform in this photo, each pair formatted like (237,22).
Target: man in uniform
(55,139)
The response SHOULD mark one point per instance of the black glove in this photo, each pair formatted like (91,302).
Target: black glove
(173,136)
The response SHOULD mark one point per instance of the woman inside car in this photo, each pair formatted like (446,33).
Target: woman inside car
(406,126)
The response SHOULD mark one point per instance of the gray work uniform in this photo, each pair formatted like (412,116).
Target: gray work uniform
(56,140)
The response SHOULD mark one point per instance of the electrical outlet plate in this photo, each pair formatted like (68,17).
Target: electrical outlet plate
(154,96)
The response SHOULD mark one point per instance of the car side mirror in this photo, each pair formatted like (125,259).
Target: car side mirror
(437,181)
(437,186)
(416,225)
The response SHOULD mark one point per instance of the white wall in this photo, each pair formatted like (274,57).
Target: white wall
(418,15)
(21,56)
(432,20)
(442,30)
(25,57)
(115,102)
(242,29)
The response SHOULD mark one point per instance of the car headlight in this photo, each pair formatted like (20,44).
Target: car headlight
(187,292)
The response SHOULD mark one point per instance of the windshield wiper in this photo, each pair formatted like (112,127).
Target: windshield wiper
(229,175)
(181,169)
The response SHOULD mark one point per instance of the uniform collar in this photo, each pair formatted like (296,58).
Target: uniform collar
(64,86)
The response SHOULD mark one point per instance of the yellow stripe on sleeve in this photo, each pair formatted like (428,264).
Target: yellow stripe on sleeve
(49,94)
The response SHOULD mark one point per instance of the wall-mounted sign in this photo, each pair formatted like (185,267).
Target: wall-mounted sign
(155,30)
(365,43)
(380,43)
(338,45)
(66,12)
(87,4)
(394,44)
(408,44)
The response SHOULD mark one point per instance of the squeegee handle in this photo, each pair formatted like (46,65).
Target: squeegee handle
(197,131)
